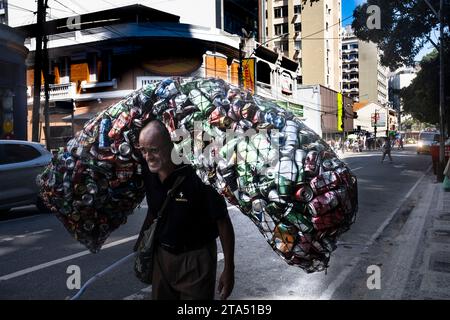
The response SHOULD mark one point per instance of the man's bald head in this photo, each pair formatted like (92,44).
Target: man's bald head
(156,128)
(156,146)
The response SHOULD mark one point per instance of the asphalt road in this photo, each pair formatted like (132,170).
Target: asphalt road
(36,251)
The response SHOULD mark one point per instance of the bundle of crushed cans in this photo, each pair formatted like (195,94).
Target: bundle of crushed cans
(260,157)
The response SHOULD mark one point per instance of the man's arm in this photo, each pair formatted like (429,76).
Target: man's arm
(226,235)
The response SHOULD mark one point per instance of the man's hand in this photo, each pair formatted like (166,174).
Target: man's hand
(226,284)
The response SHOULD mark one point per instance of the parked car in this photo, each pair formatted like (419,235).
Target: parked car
(426,140)
(20,164)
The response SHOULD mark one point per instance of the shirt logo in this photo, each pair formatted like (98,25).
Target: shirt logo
(181,198)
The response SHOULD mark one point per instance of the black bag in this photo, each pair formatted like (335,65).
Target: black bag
(143,264)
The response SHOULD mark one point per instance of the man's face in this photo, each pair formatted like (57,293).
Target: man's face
(154,151)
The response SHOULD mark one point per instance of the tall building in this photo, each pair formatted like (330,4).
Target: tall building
(399,79)
(308,33)
(363,76)
(3,11)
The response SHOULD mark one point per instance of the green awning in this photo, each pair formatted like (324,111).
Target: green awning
(296,109)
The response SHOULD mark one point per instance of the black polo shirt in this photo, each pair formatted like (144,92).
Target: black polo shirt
(189,220)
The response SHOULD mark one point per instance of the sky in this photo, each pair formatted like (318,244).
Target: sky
(347,10)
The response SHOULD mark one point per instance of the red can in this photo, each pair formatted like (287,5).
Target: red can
(304,193)
(323,203)
(311,163)
(328,221)
(119,124)
(327,181)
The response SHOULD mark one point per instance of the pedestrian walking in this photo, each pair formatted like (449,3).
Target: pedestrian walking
(185,256)
(386,148)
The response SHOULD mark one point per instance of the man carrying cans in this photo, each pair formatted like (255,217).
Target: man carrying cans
(185,258)
(386,148)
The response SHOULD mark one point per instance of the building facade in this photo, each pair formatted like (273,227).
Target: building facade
(227,15)
(308,33)
(13,90)
(4,12)
(363,76)
(116,51)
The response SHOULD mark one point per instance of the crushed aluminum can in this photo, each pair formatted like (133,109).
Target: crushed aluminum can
(258,206)
(119,125)
(311,163)
(294,214)
(328,221)
(304,193)
(103,140)
(125,149)
(324,182)
(323,203)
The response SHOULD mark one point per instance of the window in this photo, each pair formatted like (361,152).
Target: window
(285,11)
(326,26)
(298,45)
(267,15)
(13,153)
(297,9)
(277,12)
(282,45)
(281,29)
(298,27)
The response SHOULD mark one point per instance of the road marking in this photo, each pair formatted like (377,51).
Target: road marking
(25,235)
(356,168)
(64,259)
(19,219)
(334,285)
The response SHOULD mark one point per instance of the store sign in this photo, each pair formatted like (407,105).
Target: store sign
(379,119)
(249,74)
(286,84)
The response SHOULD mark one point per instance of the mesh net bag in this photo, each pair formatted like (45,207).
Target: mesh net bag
(262,159)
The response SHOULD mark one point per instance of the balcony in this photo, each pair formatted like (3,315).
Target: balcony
(57,92)
(350,70)
(354,90)
(354,80)
(345,80)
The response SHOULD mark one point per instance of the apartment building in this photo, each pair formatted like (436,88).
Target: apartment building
(3,11)
(363,76)
(308,33)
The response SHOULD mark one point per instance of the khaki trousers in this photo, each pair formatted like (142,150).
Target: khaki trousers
(186,276)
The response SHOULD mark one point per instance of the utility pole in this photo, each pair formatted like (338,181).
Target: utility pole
(241,57)
(41,12)
(440,168)
(46,89)
(440,16)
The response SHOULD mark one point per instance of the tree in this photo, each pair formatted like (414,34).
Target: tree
(405,27)
(421,97)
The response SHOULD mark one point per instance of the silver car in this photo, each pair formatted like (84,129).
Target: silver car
(20,163)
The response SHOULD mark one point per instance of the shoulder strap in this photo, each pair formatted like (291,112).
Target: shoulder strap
(177,183)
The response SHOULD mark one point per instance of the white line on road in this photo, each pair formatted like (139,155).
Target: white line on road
(19,219)
(333,286)
(61,260)
(21,236)
(356,168)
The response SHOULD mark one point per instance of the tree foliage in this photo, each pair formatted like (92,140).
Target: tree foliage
(421,97)
(405,28)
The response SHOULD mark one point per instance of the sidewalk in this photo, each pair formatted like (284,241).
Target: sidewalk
(429,277)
